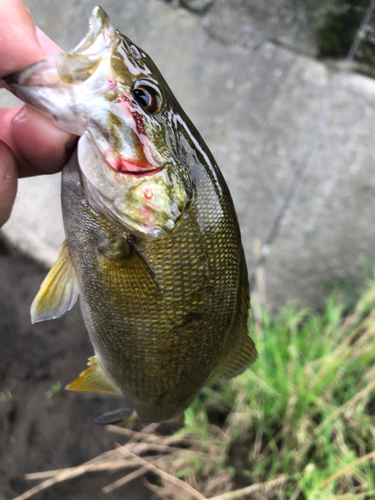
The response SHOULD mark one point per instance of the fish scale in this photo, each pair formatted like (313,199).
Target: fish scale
(153,247)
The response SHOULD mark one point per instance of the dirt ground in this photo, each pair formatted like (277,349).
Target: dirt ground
(43,427)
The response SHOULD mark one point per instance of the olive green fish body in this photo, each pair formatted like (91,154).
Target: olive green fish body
(160,343)
(153,247)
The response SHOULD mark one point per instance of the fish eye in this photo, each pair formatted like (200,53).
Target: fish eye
(147,97)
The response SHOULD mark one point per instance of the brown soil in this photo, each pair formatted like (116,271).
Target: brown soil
(39,432)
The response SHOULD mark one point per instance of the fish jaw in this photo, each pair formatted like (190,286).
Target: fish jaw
(89,91)
(140,201)
(65,84)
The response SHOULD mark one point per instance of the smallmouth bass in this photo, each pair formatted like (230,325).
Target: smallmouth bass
(153,247)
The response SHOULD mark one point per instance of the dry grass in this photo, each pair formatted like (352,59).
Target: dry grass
(168,463)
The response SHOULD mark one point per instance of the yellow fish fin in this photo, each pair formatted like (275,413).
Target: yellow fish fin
(93,380)
(242,352)
(132,277)
(240,356)
(59,291)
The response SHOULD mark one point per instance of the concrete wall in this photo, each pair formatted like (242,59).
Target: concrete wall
(246,77)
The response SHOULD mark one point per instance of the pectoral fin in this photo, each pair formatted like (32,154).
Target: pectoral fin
(58,292)
(94,379)
(127,270)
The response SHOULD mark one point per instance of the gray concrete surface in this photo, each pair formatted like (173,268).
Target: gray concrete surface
(247,80)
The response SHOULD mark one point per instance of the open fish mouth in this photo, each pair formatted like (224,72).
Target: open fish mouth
(129,166)
(139,165)
(102,91)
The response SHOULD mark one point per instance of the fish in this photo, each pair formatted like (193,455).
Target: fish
(153,246)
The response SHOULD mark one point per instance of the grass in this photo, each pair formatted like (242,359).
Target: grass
(5,395)
(306,410)
(54,389)
(300,424)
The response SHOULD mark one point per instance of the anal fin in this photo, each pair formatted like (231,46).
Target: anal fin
(94,379)
(58,292)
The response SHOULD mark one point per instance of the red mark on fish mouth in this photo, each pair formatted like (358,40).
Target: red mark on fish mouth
(137,117)
(144,213)
(139,122)
(112,84)
(148,193)
(129,166)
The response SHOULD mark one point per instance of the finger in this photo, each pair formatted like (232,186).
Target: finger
(39,146)
(19,43)
(49,46)
(45,146)
(8,182)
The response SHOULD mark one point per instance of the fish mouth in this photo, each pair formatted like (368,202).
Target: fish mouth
(128,166)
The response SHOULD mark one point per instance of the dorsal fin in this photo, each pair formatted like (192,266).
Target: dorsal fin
(94,379)
(58,292)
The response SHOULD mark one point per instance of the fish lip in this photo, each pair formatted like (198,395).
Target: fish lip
(126,166)
(133,167)
(139,174)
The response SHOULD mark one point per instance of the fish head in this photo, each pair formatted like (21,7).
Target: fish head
(109,92)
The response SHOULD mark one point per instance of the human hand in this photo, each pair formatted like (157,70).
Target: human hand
(30,144)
